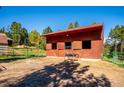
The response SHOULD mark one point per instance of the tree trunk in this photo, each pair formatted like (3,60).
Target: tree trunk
(122,45)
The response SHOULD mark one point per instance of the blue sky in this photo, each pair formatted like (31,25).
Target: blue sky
(59,17)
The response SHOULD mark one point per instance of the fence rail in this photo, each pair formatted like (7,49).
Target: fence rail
(115,57)
(11,52)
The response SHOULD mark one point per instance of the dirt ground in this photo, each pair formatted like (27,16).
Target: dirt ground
(21,68)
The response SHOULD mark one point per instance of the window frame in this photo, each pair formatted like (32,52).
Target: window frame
(69,46)
(86,45)
(55,45)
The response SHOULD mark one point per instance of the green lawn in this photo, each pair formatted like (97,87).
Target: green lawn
(21,53)
(115,61)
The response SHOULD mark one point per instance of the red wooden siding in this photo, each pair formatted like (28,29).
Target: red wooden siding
(77,45)
(60,45)
(48,46)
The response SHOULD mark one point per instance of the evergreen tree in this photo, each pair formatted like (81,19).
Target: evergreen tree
(116,38)
(76,24)
(2,30)
(15,30)
(23,36)
(70,25)
(8,32)
(94,23)
(47,30)
(117,34)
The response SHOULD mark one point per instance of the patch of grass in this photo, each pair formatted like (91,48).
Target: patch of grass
(120,63)
(23,53)
(10,57)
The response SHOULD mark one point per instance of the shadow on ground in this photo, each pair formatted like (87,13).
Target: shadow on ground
(65,74)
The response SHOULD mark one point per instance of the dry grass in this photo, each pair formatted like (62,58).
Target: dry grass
(18,69)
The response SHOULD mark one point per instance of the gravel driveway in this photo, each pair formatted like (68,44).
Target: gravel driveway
(16,70)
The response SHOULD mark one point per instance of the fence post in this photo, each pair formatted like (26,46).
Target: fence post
(27,52)
(13,51)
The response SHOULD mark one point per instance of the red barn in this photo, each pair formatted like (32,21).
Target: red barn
(86,41)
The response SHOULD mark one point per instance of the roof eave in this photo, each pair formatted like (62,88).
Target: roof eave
(74,29)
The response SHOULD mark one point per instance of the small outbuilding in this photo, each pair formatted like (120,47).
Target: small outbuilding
(4,42)
(3,39)
(86,41)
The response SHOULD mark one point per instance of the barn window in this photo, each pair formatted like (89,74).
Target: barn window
(67,45)
(86,44)
(54,45)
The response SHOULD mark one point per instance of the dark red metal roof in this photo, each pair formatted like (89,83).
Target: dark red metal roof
(92,27)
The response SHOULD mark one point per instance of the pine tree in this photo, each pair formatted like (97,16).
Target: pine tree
(15,29)
(94,23)
(47,30)
(70,25)
(76,24)
(2,30)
